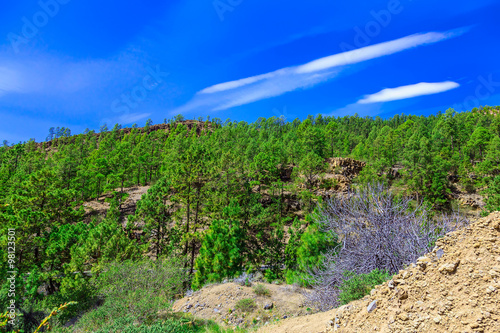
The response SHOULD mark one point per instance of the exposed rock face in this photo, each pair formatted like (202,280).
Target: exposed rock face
(341,171)
(348,167)
(455,288)
(472,200)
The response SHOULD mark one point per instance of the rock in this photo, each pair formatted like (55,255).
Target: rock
(423,260)
(284,317)
(449,268)
(390,284)
(372,306)
(439,253)
(402,294)
(268,306)
(403,316)
(496,225)
(437,319)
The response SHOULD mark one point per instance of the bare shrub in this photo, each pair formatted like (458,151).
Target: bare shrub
(376,230)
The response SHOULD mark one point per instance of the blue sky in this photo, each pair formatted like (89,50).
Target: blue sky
(79,64)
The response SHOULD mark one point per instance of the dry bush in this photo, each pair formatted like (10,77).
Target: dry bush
(376,230)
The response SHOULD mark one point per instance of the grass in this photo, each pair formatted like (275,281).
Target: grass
(136,298)
(358,286)
(246,305)
(261,290)
(174,323)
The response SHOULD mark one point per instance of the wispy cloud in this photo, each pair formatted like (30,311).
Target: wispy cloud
(132,118)
(9,81)
(59,84)
(376,51)
(251,89)
(409,91)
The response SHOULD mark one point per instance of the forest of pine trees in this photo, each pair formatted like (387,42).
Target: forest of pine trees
(217,191)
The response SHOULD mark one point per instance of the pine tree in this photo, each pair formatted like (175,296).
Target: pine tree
(220,254)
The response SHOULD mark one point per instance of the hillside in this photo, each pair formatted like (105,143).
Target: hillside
(223,198)
(455,288)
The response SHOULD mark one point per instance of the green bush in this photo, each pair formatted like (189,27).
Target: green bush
(261,290)
(246,305)
(358,286)
(139,289)
(128,325)
(220,254)
(493,196)
(309,254)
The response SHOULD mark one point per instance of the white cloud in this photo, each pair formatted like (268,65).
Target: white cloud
(251,89)
(239,83)
(409,91)
(374,51)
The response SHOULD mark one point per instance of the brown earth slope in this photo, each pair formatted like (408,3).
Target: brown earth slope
(455,288)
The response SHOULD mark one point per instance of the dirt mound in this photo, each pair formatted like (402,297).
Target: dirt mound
(218,302)
(455,288)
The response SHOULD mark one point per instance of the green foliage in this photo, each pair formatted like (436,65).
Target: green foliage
(358,286)
(261,290)
(172,323)
(308,254)
(246,305)
(220,254)
(493,196)
(128,324)
(156,211)
(139,289)
(226,191)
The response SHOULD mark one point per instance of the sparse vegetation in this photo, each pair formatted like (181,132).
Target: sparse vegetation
(261,290)
(355,286)
(246,305)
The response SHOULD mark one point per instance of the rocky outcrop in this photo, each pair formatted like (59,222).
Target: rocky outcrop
(472,200)
(346,167)
(339,175)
